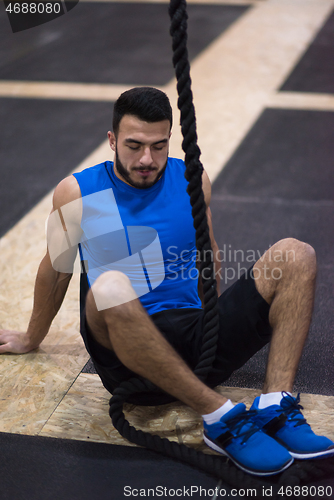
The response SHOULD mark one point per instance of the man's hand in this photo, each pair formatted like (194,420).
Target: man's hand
(14,342)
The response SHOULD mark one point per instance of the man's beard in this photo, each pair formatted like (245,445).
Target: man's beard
(126,175)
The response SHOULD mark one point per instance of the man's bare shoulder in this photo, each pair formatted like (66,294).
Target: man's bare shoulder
(67,190)
(63,225)
(206,186)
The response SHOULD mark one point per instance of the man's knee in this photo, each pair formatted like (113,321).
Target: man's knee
(288,261)
(296,257)
(111,289)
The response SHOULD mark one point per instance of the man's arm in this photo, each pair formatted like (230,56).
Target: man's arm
(51,283)
(206,186)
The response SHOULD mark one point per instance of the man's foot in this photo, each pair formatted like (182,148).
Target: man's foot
(236,436)
(286,424)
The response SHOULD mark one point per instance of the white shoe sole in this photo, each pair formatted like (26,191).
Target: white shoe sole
(249,471)
(317,454)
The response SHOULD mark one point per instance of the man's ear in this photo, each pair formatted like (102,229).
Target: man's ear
(112,140)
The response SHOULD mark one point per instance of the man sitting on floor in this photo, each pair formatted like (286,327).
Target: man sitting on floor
(141,312)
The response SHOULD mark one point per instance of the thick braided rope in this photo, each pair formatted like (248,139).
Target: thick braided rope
(216,466)
(193,174)
(297,474)
(213,465)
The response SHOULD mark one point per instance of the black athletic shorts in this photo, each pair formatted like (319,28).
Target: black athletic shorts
(243,330)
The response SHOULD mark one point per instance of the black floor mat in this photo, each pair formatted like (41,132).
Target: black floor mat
(38,468)
(278,184)
(41,142)
(315,70)
(107,43)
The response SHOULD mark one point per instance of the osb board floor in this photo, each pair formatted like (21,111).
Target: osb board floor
(33,384)
(83,414)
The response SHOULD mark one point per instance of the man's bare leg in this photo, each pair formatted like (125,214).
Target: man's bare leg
(288,284)
(128,330)
(130,333)
(285,277)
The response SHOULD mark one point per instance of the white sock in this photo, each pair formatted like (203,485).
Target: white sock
(272,398)
(215,416)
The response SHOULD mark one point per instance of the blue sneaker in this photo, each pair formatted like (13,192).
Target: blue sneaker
(286,424)
(236,436)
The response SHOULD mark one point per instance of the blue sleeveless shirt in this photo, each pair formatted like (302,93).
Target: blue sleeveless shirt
(146,233)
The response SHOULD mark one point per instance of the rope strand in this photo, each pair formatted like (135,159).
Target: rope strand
(193,174)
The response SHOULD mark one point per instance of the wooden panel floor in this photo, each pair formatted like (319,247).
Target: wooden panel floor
(83,414)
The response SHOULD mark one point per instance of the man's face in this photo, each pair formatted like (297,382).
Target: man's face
(141,151)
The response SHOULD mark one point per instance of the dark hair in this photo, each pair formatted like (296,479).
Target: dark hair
(146,103)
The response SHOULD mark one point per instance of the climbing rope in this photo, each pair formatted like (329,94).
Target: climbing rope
(217,466)
(193,174)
